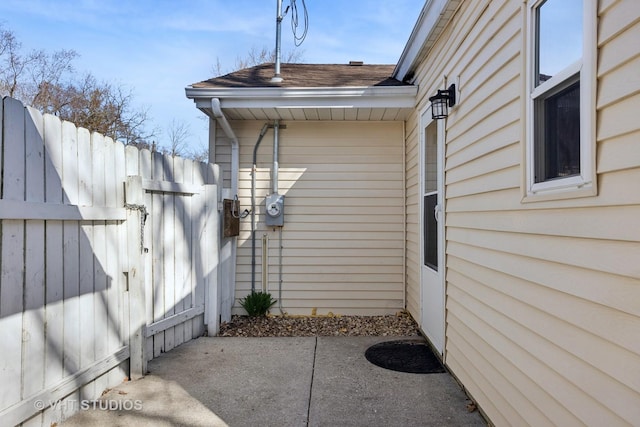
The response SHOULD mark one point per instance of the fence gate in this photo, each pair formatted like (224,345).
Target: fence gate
(178,241)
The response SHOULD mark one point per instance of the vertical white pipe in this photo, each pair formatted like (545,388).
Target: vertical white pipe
(265,263)
(235,146)
(280,270)
(254,170)
(404,214)
(276,141)
(228,246)
(277,78)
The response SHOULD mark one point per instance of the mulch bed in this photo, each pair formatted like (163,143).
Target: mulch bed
(401,324)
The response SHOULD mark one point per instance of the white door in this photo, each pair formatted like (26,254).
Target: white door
(432,229)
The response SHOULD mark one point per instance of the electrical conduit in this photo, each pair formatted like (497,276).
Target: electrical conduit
(253,207)
(274,179)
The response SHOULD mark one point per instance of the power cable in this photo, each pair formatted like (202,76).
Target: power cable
(299,38)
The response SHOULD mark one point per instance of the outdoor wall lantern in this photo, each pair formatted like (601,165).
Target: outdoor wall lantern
(441,102)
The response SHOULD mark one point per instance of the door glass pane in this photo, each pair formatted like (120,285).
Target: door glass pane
(430,232)
(559,37)
(430,199)
(431,158)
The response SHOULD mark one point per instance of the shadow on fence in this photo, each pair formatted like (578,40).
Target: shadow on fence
(66,251)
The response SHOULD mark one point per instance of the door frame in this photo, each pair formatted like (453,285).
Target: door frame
(438,338)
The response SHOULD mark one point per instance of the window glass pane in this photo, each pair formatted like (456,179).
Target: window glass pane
(558,145)
(559,37)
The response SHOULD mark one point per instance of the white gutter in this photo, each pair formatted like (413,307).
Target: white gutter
(235,146)
(364,97)
(300,92)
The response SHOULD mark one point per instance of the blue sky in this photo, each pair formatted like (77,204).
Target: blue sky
(559,21)
(158,47)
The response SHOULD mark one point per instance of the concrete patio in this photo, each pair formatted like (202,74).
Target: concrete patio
(323,381)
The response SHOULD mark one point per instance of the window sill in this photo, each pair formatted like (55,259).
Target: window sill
(560,192)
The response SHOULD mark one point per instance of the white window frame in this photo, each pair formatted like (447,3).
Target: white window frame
(583,184)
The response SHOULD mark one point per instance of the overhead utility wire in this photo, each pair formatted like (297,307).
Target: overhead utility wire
(298,39)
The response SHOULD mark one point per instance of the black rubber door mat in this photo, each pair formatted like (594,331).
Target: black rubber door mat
(410,356)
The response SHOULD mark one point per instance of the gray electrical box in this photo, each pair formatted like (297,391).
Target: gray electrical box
(274,215)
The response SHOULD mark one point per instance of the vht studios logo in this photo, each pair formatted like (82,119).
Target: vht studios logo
(85,405)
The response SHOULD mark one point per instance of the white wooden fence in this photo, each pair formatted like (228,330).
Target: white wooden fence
(89,290)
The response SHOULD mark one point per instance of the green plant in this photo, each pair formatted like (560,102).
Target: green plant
(257,303)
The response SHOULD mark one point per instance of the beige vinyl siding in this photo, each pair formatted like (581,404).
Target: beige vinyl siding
(343,246)
(542,298)
(413,220)
(221,152)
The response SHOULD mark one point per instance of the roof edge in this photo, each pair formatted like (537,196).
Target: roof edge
(300,92)
(430,24)
(336,97)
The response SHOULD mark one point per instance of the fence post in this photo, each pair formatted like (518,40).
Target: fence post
(211,258)
(136,212)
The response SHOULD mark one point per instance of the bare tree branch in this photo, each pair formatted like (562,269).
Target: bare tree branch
(257,56)
(49,83)
(178,134)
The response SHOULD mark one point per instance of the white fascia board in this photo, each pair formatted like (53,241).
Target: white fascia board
(423,32)
(365,97)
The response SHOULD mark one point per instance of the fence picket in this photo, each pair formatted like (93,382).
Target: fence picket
(111,262)
(168,241)
(179,227)
(71,251)
(212,246)
(116,246)
(145,163)
(158,254)
(11,274)
(1,139)
(126,165)
(34,286)
(188,281)
(54,250)
(136,280)
(71,267)
(14,150)
(102,281)
(34,155)
(54,372)
(197,242)
(87,303)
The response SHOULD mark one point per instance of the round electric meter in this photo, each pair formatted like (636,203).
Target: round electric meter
(273,209)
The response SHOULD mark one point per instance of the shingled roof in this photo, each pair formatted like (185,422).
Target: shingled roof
(306,76)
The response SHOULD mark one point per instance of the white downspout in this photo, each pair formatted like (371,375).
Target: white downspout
(404,215)
(235,146)
(228,246)
(276,166)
